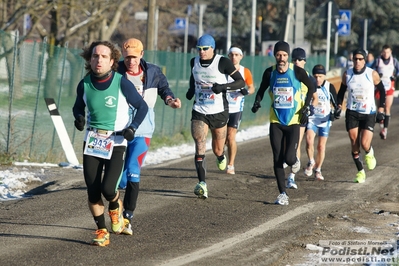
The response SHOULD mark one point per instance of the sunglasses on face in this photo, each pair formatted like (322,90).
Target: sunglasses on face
(358,59)
(203,48)
(297,59)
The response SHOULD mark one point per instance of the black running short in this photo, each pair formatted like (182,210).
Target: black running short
(214,120)
(354,119)
(234,120)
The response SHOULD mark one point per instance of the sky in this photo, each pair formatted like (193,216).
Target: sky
(13,181)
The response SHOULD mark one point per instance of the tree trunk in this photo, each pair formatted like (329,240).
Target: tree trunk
(13,69)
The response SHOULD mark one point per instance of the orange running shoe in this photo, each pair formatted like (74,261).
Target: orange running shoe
(116,215)
(102,238)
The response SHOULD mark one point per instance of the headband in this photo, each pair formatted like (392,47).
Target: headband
(235,49)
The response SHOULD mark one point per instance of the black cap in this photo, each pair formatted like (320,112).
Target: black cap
(318,69)
(281,46)
(298,53)
(360,51)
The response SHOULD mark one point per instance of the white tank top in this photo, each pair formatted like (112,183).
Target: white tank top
(207,102)
(323,108)
(360,91)
(235,98)
(386,71)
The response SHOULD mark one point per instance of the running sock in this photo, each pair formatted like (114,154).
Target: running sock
(200,166)
(386,120)
(370,151)
(318,170)
(358,162)
(128,215)
(100,221)
(113,205)
(220,158)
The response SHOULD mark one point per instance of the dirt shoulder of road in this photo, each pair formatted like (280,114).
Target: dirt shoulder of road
(373,219)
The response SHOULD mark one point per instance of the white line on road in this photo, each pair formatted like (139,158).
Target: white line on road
(230,242)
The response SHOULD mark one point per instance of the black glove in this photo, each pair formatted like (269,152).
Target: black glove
(244,91)
(304,114)
(190,94)
(392,78)
(337,113)
(218,88)
(311,110)
(380,117)
(80,123)
(332,116)
(128,133)
(255,107)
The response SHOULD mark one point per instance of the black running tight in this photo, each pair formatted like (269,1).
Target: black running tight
(284,141)
(93,168)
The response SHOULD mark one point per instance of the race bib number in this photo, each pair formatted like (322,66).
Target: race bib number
(387,83)
(359,101)
(99,145)
(234,97)
(283,97)
(206,95)
(320,109)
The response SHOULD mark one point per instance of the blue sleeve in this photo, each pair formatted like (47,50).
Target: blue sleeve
(78,108)
(135,100)
(164,90)
(396,64)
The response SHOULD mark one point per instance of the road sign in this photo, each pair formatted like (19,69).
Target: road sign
(180,23)
(141,15)
(344,25)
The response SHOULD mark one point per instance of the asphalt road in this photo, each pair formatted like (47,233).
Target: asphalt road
(237,225)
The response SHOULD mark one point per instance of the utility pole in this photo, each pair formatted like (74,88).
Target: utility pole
(229,19)
(253,28)
(156,28)
(366,22)
(202,8)
(151,25)
(328,39)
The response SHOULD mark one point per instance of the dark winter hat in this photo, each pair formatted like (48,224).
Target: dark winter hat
(281,46)
(360,51)
(319,69)
(298,53)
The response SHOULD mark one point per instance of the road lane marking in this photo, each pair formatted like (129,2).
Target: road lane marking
(230,242)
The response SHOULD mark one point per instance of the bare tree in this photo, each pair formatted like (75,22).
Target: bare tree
(62,22)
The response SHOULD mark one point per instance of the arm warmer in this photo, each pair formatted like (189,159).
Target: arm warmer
(238,82)
(341,94)
(381,88)
(265,83)
(333,96)
(303,77)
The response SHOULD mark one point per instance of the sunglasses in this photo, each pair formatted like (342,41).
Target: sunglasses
(358,59)
(203,48)
(297,59)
